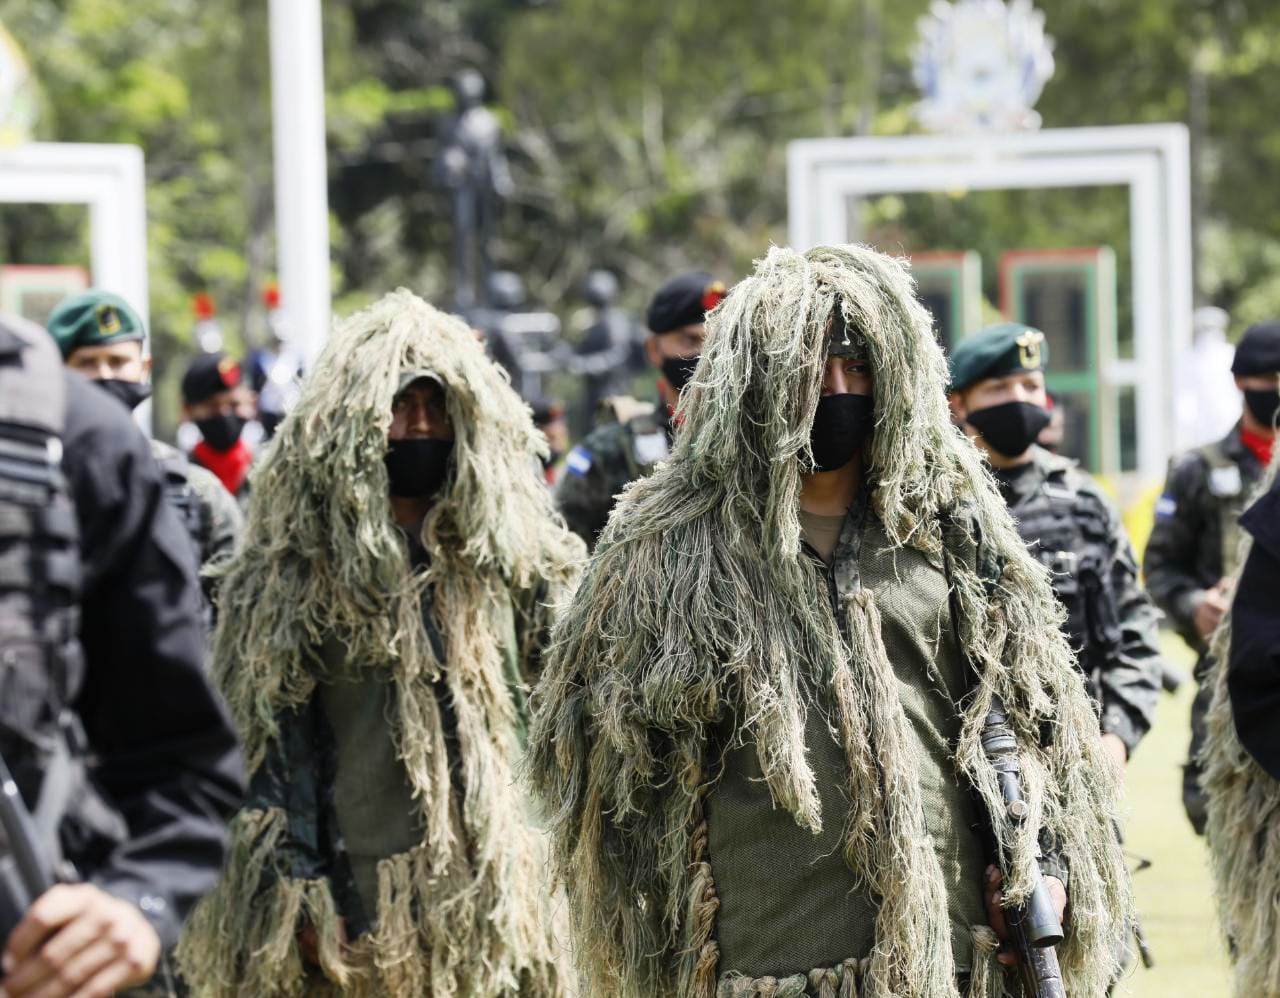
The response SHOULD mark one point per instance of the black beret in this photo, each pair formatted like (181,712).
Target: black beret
(209,374)
(684,301)
(996,351)
(1258,351)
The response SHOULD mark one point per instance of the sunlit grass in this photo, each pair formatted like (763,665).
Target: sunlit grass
(1174,895)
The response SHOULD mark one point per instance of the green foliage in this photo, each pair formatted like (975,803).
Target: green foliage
(643,137)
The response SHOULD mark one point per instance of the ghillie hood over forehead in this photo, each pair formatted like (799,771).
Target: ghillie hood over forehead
(748,412)
(335,439)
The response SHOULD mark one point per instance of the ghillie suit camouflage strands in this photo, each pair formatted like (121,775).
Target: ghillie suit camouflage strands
(467,912)
(1242,828)
(699,606)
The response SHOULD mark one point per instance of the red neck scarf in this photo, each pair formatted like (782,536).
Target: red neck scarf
(231,466)
(1262,447)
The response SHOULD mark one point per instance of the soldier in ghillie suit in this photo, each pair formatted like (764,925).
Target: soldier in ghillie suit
(759,743)
(1069,525)
(1241,759)
(379,629)
(629,447)
(1194,543)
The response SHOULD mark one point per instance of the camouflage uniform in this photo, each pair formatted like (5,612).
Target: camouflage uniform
(1074,531)
(611,457)
(209,513)
(769,871)
(1194,545)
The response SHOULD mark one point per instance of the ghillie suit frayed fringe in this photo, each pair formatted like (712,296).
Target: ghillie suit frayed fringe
(468,912)
(699,605)
(1243,827)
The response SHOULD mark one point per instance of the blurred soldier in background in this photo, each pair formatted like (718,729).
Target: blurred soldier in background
(1194,544)
(274,369)
(998,396)
(114,737)
(102,337)
(628,447)
(216,399)
(549,417)
(604,358)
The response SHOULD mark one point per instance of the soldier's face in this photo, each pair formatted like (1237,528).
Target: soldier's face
(111,362)
(1022,386)
(847,376)
(679,343)
(419,413)
(1247,382)
(237,401)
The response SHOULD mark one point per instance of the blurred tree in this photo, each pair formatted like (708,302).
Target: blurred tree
(644,137)
(188,81)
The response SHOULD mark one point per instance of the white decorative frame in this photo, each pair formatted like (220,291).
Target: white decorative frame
(1153,161)
(111,181)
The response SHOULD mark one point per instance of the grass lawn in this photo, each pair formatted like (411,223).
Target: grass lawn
(1174,895)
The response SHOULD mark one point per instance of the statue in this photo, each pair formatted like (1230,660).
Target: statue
(474,169)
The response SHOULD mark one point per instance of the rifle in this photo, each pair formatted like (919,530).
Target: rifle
(25,869)
(1034,924)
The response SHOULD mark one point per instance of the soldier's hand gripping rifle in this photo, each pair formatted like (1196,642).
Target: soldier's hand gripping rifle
(25,869)
(1033,925)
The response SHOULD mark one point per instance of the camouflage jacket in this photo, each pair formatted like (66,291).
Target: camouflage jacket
(1194,542)
(208,512)
(1074,531)
(612,456)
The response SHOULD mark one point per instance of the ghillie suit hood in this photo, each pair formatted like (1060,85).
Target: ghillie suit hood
(699,606)
(1243,801)
(321,562)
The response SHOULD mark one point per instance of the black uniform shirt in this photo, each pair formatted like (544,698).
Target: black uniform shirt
(161,742)
(1253,666)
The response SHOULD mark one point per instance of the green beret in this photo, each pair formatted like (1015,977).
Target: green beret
(93,319)
(996,351)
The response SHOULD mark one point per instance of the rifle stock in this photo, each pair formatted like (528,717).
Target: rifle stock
(1033,925)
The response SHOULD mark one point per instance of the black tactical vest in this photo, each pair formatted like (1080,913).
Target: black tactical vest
(1067,531)
(41,666)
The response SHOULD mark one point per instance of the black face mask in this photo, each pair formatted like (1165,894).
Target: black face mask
(417,468)
(131,393)
(841,426)
(1263,403)
(221,431)
(1010,428)
(678,371)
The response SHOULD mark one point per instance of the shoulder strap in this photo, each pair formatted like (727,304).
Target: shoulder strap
(32,393)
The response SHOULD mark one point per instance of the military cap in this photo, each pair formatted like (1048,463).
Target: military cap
(411,374)
(844,340)
(995,352)
(684,301)
(209,374)
(91,319)
(1258,351)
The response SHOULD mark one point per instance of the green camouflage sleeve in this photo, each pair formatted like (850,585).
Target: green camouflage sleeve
(1172,549)
(586,492)
(1129,686)
(289,780)
(221,512)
